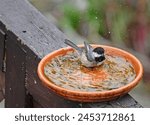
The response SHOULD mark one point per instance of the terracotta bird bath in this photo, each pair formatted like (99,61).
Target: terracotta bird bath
(93,74)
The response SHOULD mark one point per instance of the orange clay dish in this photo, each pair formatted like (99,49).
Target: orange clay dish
(62,72)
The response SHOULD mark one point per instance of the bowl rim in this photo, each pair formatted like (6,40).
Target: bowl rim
(124,89)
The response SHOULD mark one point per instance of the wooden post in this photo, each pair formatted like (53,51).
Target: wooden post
(2,49)
(15,75)
(2,74)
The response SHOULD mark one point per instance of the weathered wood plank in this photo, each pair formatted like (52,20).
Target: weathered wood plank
(15,75)
(2,54)
(2,39)
(125,101)
(2,82)
(36,105)
(38,33)
(2,85)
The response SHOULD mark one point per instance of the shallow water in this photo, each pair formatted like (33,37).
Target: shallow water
(66,71)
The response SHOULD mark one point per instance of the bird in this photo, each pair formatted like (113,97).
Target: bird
(89,56)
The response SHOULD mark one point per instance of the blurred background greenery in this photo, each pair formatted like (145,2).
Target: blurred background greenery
(121,23)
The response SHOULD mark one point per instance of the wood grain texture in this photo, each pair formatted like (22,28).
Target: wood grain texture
(2,74)
(33,37)
(2,40)
(125,101)
(37,33)
(15,75)
(2,83)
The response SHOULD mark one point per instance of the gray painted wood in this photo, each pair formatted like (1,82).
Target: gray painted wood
(33,36)
(36,32)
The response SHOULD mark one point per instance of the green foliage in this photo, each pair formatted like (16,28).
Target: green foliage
(107,18)
(72,15)
(120,21)
(95,16)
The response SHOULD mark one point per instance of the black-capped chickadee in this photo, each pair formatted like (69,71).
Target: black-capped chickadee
(90,57)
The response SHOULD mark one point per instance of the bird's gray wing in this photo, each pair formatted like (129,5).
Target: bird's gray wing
(68,42)
(89,51)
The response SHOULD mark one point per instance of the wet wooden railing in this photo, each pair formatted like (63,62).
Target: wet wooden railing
(25,37)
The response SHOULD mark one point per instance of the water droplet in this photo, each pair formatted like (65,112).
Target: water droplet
(35,82)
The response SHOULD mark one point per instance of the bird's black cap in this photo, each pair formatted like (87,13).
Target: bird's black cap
(99,50)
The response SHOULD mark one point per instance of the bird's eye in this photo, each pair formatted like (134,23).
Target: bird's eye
(99,59)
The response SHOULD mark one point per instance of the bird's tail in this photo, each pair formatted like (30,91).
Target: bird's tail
(68,42)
